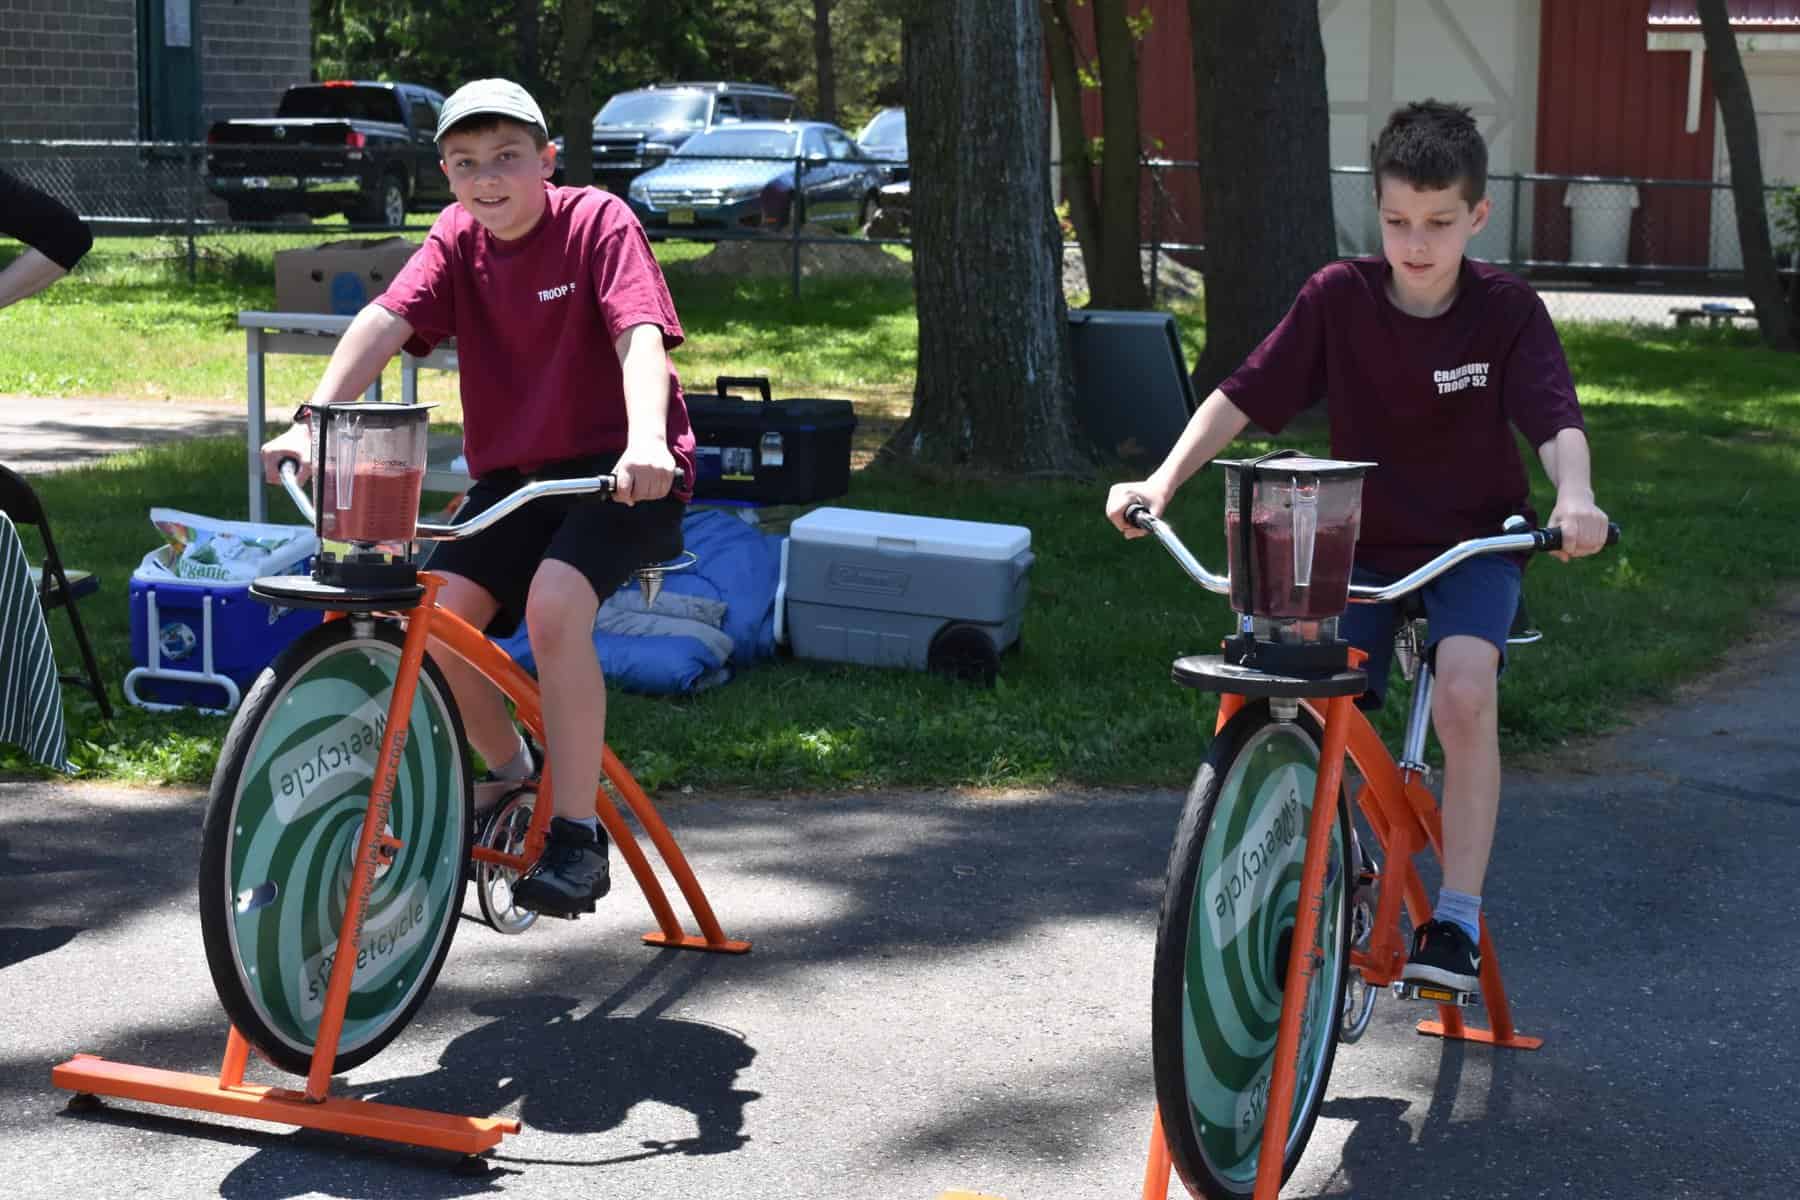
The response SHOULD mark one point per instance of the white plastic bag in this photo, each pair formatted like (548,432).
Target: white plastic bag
(225,551)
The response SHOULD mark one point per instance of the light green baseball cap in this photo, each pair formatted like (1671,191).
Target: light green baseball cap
(491,97)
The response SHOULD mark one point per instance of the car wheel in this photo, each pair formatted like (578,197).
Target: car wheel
(243,211)
(387,206)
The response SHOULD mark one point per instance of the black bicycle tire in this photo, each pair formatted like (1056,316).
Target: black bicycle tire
(1170,961)
(215,891)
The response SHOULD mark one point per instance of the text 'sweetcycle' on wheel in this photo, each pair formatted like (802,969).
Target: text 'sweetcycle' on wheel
(339,831)
(1279,925)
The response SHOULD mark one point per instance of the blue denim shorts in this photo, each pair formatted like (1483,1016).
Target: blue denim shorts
(1477,598)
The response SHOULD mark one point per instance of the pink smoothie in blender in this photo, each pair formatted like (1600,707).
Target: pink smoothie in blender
(1304,518)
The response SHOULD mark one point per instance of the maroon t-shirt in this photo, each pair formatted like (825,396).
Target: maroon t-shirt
(1433,400)
(534,322)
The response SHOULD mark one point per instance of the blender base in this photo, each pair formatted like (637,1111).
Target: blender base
(303,591)
(1211,673)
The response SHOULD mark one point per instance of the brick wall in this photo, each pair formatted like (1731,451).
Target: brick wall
(251,51)
(68,68)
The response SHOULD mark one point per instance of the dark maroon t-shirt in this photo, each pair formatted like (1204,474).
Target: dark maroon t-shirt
(1433,400)
(534,322)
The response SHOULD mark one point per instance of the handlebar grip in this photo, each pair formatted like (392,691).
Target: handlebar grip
(1552,538)
(1136,513)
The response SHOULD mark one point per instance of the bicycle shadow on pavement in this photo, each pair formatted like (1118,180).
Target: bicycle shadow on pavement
(560,1071)
(544,1055)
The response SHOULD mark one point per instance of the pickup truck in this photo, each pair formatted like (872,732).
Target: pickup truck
(367,150)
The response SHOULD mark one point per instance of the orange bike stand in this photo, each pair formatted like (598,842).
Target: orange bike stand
(90,1076)
(229,1094)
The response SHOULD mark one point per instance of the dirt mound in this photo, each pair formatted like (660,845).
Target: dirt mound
(746,257)
(1173,280)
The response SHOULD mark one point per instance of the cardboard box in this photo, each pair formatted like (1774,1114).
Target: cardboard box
(338,277)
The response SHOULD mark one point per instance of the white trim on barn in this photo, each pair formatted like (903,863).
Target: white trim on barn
(1380,54)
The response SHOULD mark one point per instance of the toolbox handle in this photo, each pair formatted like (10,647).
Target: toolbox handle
(725,383)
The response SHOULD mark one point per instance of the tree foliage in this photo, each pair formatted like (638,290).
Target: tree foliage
(633,43)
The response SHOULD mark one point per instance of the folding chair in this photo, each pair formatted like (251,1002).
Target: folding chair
(57,588)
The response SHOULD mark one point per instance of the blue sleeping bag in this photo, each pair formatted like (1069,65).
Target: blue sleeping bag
(733,583)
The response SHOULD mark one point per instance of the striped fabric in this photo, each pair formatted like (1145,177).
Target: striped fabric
(31,714)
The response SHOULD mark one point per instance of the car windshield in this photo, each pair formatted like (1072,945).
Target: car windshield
(337,100)
(742,143)
(652,108)
(887,130)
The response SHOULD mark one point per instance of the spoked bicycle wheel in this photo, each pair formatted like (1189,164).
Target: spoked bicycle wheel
(1225,933)
(282,825)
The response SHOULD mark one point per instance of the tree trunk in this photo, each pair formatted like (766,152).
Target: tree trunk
(1107,225)
(994,388)
(824,60)
(1121,280)
(1738,112)
(577,93)
(1076,166)
(1259,76)
(525,16)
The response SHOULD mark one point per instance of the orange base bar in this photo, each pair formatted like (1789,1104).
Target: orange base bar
(1517,1041)
(693,941)
(364,1118)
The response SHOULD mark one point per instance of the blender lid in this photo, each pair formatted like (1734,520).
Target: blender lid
(379,406)
(1299,464)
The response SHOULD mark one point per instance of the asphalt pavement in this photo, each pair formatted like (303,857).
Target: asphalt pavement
(950,991)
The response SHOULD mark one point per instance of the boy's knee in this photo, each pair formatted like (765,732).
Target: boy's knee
(1466,688)
(559,609)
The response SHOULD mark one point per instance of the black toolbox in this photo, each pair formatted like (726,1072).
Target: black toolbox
(769,451)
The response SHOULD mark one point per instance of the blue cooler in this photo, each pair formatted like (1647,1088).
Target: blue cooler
(212,639)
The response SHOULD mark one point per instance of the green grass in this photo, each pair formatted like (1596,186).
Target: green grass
(1696,440)
(129,323)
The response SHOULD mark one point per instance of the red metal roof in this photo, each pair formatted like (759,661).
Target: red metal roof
(1747,15)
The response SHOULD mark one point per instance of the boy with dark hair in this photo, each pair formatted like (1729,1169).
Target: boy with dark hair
(563,324)
(1427,361)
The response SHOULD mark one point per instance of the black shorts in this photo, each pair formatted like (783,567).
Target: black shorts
(605,541)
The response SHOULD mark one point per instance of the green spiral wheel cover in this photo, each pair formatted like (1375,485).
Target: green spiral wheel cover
(296,821)
(1246,895)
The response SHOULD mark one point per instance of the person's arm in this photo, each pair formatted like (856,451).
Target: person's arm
(1569,466)
(55,239)
(646,470)
(27,275)
(375,336)
(1212,427)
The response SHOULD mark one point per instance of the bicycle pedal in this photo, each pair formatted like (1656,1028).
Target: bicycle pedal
(1434,993)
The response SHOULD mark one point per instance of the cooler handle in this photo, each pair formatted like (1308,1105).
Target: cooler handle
(725,383)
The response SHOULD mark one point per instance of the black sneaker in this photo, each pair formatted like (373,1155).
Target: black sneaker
(571,874)
(1443,954)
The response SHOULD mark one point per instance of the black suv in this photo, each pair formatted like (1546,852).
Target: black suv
(637,130)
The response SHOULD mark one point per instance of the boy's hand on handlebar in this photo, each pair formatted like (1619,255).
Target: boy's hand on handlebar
(646,471)
(1583,526)
(294,446)
(1124,495)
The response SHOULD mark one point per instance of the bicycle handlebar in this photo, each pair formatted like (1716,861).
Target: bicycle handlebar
(1528,541)
(602,485)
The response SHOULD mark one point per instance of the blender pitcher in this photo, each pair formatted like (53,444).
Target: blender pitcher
(1290,559)
(372,467)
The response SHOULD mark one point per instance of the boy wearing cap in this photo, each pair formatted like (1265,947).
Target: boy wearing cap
(563,325)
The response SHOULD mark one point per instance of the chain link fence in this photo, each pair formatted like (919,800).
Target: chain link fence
(1598,248)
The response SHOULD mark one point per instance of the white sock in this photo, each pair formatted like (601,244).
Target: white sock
(519,766)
